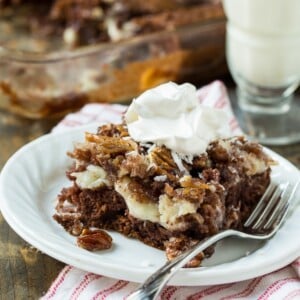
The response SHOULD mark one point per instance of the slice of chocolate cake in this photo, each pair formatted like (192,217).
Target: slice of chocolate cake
(143,187)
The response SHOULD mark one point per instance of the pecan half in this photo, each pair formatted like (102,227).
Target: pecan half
(162,158)
(94,240)
(111,145)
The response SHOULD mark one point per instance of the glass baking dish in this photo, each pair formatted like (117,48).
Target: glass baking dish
(37,85)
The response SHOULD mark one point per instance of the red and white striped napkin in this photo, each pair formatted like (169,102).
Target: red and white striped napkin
(75,284)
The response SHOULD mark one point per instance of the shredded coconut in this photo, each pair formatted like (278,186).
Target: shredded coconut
(160,178)
(153,146)
(146,145)
(132,153)
(188,158)
(126,138)
(178,161)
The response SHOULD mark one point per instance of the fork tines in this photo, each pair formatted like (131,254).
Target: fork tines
(272,207)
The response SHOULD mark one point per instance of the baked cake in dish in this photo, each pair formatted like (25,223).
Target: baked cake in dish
(60,54)
(153,185)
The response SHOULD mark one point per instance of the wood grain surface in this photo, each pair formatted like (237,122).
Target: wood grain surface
(25,272)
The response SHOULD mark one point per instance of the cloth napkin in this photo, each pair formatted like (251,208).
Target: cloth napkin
(75,284)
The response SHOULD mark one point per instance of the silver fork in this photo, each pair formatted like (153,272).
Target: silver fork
(262,224)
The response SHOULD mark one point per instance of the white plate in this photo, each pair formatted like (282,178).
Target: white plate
(35,174)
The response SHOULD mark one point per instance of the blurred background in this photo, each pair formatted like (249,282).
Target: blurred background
(57,55)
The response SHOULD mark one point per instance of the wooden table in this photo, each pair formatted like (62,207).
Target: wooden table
(26,273)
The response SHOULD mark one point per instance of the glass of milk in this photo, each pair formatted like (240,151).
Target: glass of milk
(263,55)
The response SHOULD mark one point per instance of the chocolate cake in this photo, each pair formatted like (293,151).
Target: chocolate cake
(166,199)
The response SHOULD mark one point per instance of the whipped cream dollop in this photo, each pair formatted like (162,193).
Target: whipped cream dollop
(171,115)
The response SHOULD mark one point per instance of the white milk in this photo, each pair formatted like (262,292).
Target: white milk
(263,40)
(265,16)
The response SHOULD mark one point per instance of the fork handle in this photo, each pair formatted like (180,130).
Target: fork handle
(152,287)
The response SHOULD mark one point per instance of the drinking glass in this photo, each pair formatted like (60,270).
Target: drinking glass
(263,55)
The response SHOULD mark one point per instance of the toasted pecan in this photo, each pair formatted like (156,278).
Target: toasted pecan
(94,240)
